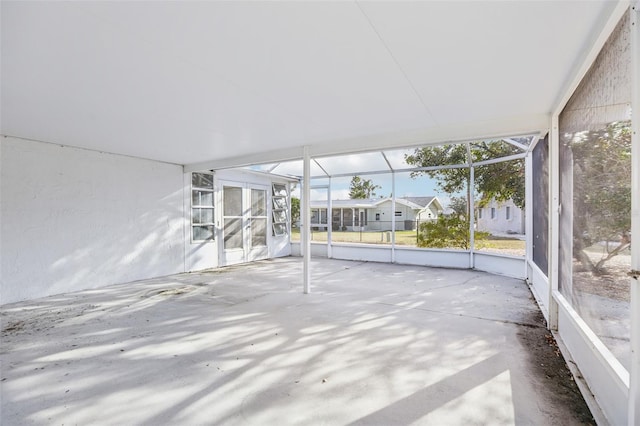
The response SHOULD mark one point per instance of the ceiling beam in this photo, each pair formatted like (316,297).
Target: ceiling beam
(497,129)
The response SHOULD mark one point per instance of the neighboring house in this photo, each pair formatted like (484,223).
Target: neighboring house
(501,218)
(375,214)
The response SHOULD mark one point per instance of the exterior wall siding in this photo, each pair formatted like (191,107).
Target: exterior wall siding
(73,219)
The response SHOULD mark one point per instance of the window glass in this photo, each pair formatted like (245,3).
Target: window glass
(280,208)
(279,229)
(203,233)
(279,216)
(202,211)
(233,233)
(279,190)
(202,215)
(202,180)
(202,198)
(258,232)
(280,203)
(232,201)
(258,202)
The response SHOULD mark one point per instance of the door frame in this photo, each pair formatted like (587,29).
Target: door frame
(248,252)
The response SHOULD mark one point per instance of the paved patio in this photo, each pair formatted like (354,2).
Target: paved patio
(374,344)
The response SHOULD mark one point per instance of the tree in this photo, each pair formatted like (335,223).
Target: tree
(458,205)
(295,209)
(500,181)
(447,232)
(601,167)
(362,188)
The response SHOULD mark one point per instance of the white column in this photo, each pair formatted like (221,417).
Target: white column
(305,232)
(472,207)
(528,209)
(393,217)
(634,372)
(553,242)
(329,222)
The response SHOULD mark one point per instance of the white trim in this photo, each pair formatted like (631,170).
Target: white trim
(500,159)
(539,285)
(528,208)
(192,206)
(516,144)
(471,201)
(305,231)
(615,12)
(393,217)
(487,130)
(554,220)
(634,390)
(329,221)
(505,265)
(609,383)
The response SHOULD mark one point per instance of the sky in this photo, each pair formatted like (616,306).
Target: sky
(405,187)
(367,162)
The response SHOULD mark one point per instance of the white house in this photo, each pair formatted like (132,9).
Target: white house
(375,214)
(501,218)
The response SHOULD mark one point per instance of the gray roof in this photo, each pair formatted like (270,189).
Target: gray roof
(421,201)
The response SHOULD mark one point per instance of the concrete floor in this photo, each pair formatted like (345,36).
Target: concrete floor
(374,344)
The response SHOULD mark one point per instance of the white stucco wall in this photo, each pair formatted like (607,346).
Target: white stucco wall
(500,224)
(386,214)
(74,219)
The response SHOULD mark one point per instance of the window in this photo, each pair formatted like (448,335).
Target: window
(493,212)
(479,213)
(508,213)
(377,216)
(398,213)
(315,216)
(202,208)
(280,210)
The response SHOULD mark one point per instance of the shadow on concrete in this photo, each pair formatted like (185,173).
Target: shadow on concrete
(373,344)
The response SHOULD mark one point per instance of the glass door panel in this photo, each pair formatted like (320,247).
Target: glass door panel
(258,217)
(245,223)
(233,236)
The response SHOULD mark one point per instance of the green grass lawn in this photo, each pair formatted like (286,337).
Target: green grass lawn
(408,238)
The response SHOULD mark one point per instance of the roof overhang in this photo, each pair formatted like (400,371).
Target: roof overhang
(223,84)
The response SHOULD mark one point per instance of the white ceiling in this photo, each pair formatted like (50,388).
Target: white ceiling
(191,82)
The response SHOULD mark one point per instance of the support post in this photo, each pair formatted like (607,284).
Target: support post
(634,372)
(306,220)
(393,217)
(528,212)
(472,207)
(329,222)
(553,243)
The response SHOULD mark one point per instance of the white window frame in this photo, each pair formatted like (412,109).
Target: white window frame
(277,210)
(201,207)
